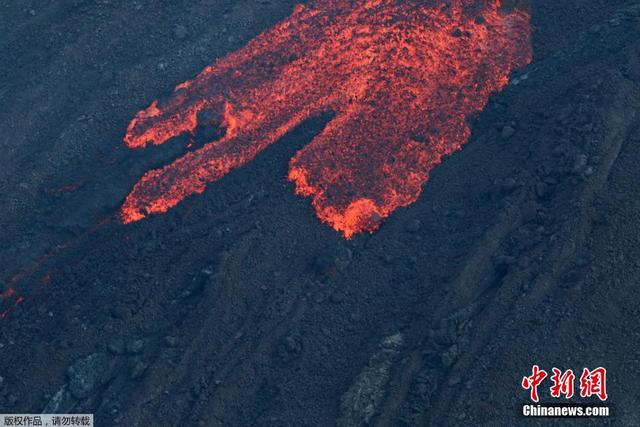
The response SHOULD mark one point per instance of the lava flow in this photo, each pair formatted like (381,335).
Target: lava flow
(401,76)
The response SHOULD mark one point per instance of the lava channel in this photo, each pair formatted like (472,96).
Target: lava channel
(400,76)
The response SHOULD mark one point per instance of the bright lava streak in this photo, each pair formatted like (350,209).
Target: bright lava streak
(401,77)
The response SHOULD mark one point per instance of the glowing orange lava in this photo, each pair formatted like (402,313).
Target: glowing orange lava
(401,77)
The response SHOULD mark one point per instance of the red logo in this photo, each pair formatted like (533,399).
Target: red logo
(562,383)
(592,383)
(532,382)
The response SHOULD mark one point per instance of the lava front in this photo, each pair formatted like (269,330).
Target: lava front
(400,76)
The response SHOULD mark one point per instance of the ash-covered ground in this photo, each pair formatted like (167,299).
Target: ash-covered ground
(240,308)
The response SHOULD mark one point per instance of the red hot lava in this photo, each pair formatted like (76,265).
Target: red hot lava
(401,77)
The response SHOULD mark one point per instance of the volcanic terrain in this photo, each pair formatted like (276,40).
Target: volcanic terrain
(244,304)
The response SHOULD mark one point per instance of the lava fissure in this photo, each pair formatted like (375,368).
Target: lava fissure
(400,76)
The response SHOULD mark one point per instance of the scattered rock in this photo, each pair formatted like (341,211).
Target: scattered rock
(449,356)
(509,185)
(362,399)
(293,344)
(62,402)
(454,380)
(601,217)
(106,77)
(580,163)
(171,341)
(413,226)
(446,334)
(542,190)
(529,212)
(120,312)
(388,258)
(392,342)
(180,32)
(135,346)
(333,260)
(507,132)
(196,390)
(502,264)
(87,374)
(138,368)
(198,283)
(336,297)
(116,346)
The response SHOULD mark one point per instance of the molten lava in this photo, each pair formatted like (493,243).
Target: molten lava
(401,77)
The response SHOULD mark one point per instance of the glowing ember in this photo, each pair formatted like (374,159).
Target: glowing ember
(12,299)
(401,77)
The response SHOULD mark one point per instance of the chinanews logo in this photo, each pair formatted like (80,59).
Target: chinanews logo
(561,386)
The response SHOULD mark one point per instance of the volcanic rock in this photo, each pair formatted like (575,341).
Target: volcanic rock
(87,374)
(413,226)
(116,346)
(449,356)
(360,402)
(509,184)
(152,261)
(137,369)
(61,402)
(171,341)
(507,132)
(333,260)
(135,346)
(180,32)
